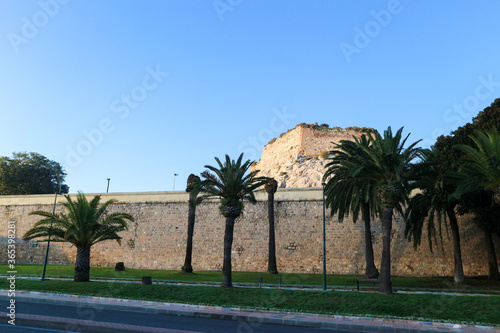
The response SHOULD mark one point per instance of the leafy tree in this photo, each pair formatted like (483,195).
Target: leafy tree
(389,166)
(229,183)
(433,204)
(346,192)
(481,166)
(474,202)
(193,191)
(30,173)
(271,187)
(83,224)
(481,173)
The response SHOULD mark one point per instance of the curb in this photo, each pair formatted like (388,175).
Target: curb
(351,323)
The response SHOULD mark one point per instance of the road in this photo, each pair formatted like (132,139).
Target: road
(177,324)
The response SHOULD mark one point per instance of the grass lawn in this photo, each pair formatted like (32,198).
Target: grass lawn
(444,284)
(462,309)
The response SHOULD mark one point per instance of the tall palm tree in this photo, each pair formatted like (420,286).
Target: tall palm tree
(346,192)
(481,166)
(389,166)
(193,191)
(271,187)
(231,183)
(434,204)
(481,172)
(83,225)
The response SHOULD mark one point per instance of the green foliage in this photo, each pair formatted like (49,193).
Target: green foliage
(451,155)
(480,165)
(30,173)
(446,146)
(323,154)
(389,164)
(231,183)
(83,224)
(337,128)
(432,202)
(345,190)
(468,309)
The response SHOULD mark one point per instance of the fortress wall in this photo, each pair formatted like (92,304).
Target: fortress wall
(157,239)
(282,149)
(316,141)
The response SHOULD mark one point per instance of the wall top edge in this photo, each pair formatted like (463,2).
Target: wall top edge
(283,194)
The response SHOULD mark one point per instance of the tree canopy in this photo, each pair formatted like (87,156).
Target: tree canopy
(30,173)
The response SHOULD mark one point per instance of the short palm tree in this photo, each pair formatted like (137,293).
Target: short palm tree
(346,192)
(193,191)
(83,224)
(389,166)
(432,204)
(231,183)
(271,187)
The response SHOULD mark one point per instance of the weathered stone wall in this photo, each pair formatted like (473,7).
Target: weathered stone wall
(157,239)
(292,159)
(316,141)
(285,148)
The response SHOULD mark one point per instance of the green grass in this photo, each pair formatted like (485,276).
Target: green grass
(462,309)
(443,284)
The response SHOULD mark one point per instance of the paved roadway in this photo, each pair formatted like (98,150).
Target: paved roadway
(70,313)
(123,317)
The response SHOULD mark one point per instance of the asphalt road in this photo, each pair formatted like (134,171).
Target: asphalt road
(153,320)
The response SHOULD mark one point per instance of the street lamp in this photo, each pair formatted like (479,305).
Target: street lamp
(175,175)
(324,240)
(107,189)
(48,241)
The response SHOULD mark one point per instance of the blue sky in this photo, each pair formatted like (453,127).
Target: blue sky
(139,90)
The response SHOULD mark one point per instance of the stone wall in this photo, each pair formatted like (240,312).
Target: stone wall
(157,239)
(316,141)
(304,141)
(285,148)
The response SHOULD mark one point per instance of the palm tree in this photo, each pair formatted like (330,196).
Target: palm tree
(481,172)
(481,167)
(271,187)
(229,182)
(433,204)
(346,193)
(193,191)
(389,166)
(83,225)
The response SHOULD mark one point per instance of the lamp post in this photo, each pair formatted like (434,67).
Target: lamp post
(48,241)
(175,175)
(107,189)
(324,239)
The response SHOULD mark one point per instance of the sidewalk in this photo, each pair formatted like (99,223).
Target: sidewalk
(246,315)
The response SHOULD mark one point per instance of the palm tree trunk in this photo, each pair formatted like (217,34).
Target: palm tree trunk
(385,266)
(271,267)
(82,264)
(371,270)
(188,268)
(458,274)
(228,245)
(492,258)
